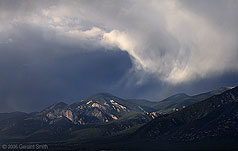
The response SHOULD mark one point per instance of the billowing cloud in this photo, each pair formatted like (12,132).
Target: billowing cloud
(125,43)
(163,37)
(170,43)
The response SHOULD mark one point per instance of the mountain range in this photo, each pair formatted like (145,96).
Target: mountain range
(215,117)
(106,119)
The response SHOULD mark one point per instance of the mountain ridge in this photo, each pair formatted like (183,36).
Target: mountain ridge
(181,100)
(219,112)
(98,115)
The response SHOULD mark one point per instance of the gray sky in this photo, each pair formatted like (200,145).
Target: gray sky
(56,50)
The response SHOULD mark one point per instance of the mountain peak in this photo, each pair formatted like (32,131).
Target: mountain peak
(59,105)
(180,95)
(176,97)
(100,97)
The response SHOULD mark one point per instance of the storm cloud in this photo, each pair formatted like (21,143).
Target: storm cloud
(64,50)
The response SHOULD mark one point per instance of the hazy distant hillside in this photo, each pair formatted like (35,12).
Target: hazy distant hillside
(182,100)
(104,118)
(215,117)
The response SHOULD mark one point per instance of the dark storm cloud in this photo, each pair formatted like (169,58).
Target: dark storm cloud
(36,72)
(156,90)
(65,50)
(33,80)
